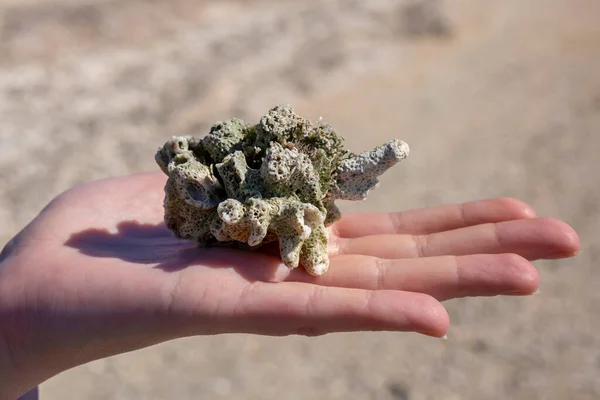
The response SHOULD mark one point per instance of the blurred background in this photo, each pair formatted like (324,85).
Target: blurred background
(495,98)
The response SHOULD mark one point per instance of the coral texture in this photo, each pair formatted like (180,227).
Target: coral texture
(274,181)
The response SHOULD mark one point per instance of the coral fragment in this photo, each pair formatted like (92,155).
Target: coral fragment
(274,181)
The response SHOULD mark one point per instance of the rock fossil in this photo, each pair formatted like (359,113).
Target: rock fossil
(277,180)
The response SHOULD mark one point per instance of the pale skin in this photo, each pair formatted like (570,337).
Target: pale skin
(97,274)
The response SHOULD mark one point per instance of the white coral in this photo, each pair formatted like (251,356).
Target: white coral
(358,175)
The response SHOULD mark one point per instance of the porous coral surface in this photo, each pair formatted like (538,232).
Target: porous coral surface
(277,180)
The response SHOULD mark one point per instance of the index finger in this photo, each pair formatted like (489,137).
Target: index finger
(433,219)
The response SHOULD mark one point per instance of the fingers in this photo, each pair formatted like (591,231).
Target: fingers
(433,219)
(441,277)
(298,308)
(533,239)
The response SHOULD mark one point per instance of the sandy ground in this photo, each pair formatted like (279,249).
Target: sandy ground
(495,98)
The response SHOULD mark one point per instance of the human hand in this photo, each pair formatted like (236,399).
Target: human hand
(97,274)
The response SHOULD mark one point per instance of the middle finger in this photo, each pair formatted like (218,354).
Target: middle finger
(444,277)
(533,239)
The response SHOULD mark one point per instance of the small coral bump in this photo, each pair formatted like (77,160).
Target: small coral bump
(231,211)
(319,269)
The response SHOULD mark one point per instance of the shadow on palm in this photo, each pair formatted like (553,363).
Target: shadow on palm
(154,245)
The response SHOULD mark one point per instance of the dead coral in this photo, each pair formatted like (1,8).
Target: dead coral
(277,180)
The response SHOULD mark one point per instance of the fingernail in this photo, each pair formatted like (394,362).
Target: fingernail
(445,337)
(536,292)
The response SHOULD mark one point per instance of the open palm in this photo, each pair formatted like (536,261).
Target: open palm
(97,273)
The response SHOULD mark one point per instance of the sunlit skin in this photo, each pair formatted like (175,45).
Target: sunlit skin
(97,274)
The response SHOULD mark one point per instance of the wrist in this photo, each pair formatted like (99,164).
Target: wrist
(12,383)
(15,381)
